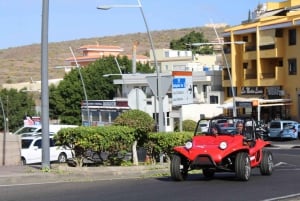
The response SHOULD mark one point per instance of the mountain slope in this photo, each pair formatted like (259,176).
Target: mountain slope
(21,64)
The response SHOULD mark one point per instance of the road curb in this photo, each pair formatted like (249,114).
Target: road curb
(63,173)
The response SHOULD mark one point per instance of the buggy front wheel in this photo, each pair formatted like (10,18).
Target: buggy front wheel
(179,168)
(242,166)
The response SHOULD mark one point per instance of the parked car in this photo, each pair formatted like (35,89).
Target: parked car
(299,131)
(31,151)
(37,129)
(28,129)
(204,124)
(223,151)
(283,129)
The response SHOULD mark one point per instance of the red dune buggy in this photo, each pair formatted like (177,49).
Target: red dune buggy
(224,150)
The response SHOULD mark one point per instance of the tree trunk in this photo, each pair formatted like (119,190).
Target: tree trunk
(134,154)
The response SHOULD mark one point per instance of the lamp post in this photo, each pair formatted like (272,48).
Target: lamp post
(83,86)
(4,134)
(234,111)
(158,78)
(44,87)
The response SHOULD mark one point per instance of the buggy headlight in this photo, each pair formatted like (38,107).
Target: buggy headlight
(188,145)
(223,145)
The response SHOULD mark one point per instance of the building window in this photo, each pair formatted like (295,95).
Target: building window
(213,99)
(245,38)
(167,54)
(168,118)
(292,37)
(245,65)
(292,66)
(229,91)
(105,117)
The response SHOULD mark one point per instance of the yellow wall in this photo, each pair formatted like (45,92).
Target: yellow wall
(266,53)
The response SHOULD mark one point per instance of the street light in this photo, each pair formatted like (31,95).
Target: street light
(234,112)
(158,78)
(83,86)
(4,134)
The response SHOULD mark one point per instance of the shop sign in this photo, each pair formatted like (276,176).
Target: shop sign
(252,91)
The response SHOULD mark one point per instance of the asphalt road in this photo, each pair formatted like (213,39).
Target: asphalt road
(282,185)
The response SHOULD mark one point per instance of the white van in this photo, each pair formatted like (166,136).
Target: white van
(37,129)
(283,129)
(31,151)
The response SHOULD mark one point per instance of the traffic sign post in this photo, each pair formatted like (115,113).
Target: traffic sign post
(137,99)
(182,88)
(159,86)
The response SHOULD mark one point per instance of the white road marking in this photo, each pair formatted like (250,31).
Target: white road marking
(283,197)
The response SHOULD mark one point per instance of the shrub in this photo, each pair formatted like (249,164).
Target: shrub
(139,120)
(189,125)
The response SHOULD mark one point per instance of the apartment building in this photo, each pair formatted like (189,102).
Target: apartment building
(91,53)
(263,72)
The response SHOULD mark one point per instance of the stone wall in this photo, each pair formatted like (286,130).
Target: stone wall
(10,149)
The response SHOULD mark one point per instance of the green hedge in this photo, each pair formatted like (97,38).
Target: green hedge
(159,143)
(109,139)
(116,139)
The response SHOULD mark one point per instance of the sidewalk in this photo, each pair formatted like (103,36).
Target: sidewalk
(10,175)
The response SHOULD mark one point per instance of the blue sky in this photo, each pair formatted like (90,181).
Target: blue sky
(77,19)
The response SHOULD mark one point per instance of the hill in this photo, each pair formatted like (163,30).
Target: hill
(21,64)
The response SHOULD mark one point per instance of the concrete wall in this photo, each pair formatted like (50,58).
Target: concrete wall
(193,111)
(12,150)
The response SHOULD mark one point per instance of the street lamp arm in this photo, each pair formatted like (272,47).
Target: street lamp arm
(108,75)
(218,43)
(107,7)
(83,86)
(234,112)
(158,83)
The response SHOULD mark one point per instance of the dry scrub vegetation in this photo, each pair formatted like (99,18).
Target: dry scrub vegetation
(20,64)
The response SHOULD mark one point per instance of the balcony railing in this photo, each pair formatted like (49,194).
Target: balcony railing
(267,75)
(250,76)
(267,47)
(250,48)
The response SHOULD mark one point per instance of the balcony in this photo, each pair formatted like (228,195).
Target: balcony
(272,79)
(250,54)
(250,79)
(270,51)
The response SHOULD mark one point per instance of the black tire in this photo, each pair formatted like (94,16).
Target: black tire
(23,161)
(208,173)
(242,166)
(62,158)
(267,164)
(179,168)
(71,163)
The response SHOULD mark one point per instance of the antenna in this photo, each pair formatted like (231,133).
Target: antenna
(83,86)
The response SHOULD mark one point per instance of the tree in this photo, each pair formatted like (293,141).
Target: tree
(185,42)
(16,105)
(139,120)
(65,99)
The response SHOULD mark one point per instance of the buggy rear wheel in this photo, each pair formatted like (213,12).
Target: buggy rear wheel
(242,166)
(179,168)
(266,165)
